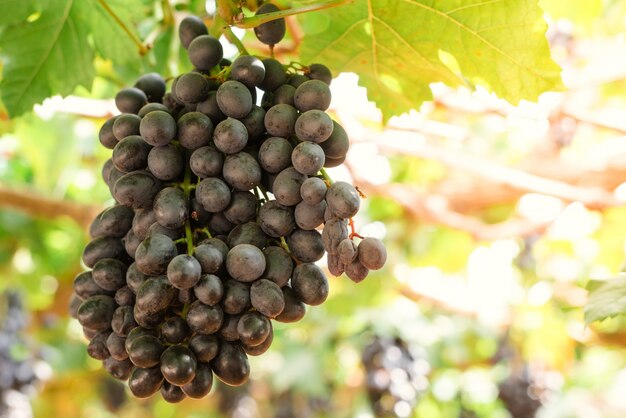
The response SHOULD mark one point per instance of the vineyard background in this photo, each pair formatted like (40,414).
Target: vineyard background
(496,218)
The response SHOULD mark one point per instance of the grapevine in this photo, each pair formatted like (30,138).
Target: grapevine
(222,209)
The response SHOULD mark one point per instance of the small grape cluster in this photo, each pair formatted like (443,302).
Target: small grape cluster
(395,377)
(17,371)
(195,259)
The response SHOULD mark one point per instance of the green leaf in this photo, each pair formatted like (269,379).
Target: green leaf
(606,300)
(109,38)
(398,47)
(45,57)
(20,10)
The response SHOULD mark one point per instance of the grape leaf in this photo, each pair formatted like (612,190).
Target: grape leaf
(606,300)
(399,47)
(19,10)
(47,56)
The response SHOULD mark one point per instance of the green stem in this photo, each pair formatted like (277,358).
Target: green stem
(325,175)
(168,13)
(189,237)
(232,38)
(283,244)
(253,21)
(143,50)
(187,187)
(264,192)
(183,314)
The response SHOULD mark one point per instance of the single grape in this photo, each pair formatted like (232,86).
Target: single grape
(275,75)
(172,393)
(210,257)
(253,328)
(157,228)
(178,365)
(97,348)
(228,331)
(347,251)
(335,231)
(310,284)
(343,200)
(297,79)
(308,158)
(145,350)
(319,72)
(102,247)
(151,107)
(166,163)
(144,383)
(287,186)
(272,32)
(236,297)
(201,384)
(313,190)
(204,319)
(120,370)
(112,222)
(213,194)
(280,120)
(231,364)
(284,94)
(130,100)
(275,219)
(209,289)
(175,330)
(234,99)
(154,295)
(195,130)
(337,144)
(131,242)
(248,70)
(294,308)
(245,263)
(356,271)
(158,128)
(85,286)
(134,278)
(314,125)
(267,298)
(334,162)
(131,154)
(335,266)
(190,28)
(206,162)
(242,171)
(205,52)
(115,345)
(123,321)
(219,224)
(96,312)
(255,123)
(184,271)
(171,208)
(230,136)
(248,233)
(153,85)
(210,108)
(147,319)
(125,125)
(278,265)
(257,350)
(306,246)
(275,154)
(242,208)
(154,254)
(204,347)
(372,253)
(109,273)
(105,135)
(312,94)
(124,296)
(309,217)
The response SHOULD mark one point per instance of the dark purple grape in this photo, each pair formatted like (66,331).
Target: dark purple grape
(171,208)
(205,347)
(97,348)
(191,88)
(231,365)
(130,100)
(158,128)
(312,94)
(178,365)
(337,144)
(284,95)
(313,190)
(118,369)
(153,85)
(267,298)
(234,99)
(310,284)
(172,393)
(102,247)
(144,383)
(123,321)
(125,125)
(210,108)
(294,308)
(257,350)
(184,271)
(189,29)
(372,253)
(314,125)
(136,189)
(175,330)
(201,384)
(209,289)
(272,32)
(230,136)
(248,70)
(275,219)
(115,345)
(309,216)
(245,263)
(213,194)
(206,162)
(204,319)
(195,130)
(319,72)
(242,208)
(343,200)
(335,231)
(275,154)
(209,257)
(280,120)
(228,331)
(131,154)
(297,79)
(347,251)
(356,271)
(96,312)
(151,107)
(306,246)
(112,222)
(255,123)
(144,350)
(85,286)
(248,233)
(236,297)
(166,162)
(275,75)
(124,296)
(242,171)
(287,186)
(253,328)
(278,265)
(105,135)
(154,254)
(205,52)
(154,295)
(308,158)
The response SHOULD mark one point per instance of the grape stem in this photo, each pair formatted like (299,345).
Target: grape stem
(325,176)
(353,232)
(232,38)
(187,187)
(183,314)
(143,49)
(252,21)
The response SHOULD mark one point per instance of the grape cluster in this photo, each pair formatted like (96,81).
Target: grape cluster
(395,377)
(17,372)
(215,230)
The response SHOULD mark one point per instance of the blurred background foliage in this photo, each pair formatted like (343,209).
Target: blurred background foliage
(495,218)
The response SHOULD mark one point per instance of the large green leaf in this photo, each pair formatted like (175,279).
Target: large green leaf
(51,54)
(18,10)
(399,47)
(606,300)
(45,57)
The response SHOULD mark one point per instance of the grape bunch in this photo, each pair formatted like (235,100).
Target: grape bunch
(17,371)
(222,207)
(395,377)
